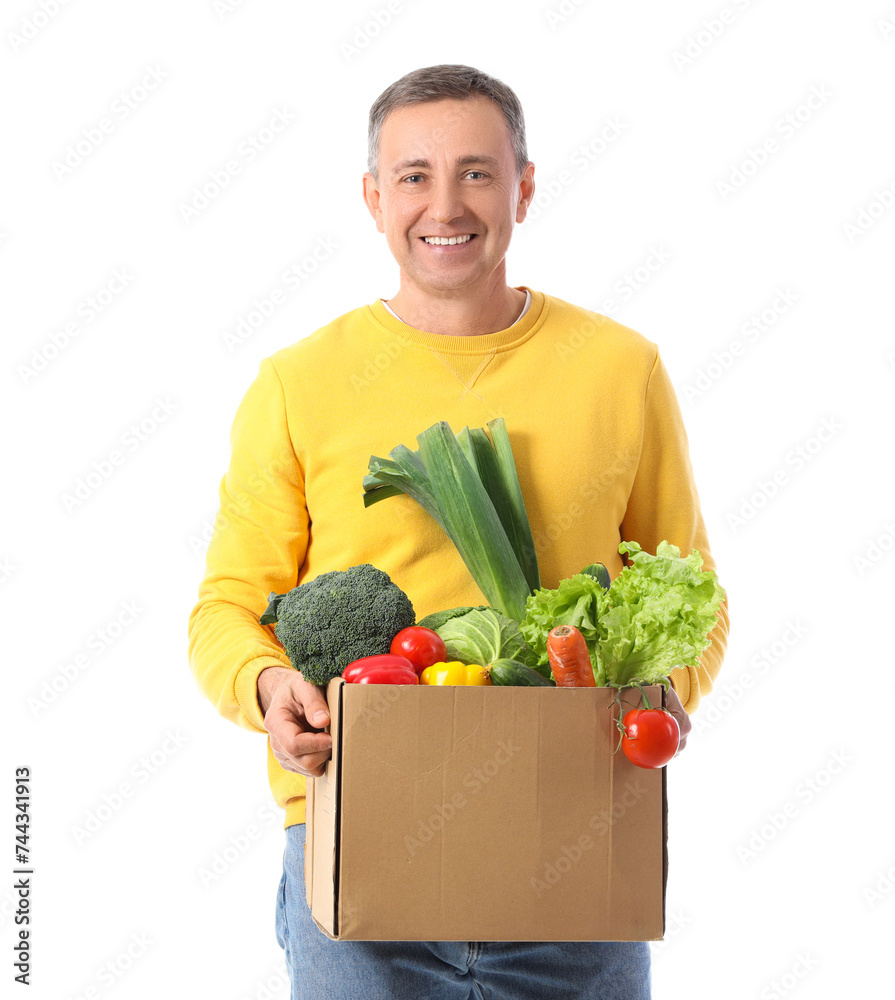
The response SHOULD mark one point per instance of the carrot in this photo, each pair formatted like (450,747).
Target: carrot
(569,658)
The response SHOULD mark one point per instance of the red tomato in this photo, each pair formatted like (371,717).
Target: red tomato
(421,646)
(353,672)
(651,738)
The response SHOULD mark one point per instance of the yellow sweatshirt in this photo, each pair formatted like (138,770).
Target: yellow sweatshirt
(597,436)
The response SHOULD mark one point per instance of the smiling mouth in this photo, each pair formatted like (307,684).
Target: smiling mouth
(447,241)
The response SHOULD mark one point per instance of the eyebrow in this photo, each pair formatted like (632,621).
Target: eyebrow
(462,161)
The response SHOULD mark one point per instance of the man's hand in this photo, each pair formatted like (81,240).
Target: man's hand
(295,712)
(673,704)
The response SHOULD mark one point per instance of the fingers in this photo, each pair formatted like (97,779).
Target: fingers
(305,755)
(673,704)
(684,724)
(313,705)
(296,714)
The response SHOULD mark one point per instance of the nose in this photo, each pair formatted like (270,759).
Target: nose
(445,203)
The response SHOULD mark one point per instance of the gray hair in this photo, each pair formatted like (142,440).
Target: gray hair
(437,83)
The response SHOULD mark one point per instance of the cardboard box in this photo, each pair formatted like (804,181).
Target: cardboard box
(484,814)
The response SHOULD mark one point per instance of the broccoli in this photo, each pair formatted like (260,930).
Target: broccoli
(337,618)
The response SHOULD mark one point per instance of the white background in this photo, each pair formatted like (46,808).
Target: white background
(781,833)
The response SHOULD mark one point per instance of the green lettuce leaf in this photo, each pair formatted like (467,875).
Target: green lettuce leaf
(483,636)
(579,600)
(661,609)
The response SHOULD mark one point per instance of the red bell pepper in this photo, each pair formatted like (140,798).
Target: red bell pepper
(397,665)
(388,675)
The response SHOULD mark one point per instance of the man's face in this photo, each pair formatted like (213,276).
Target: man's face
(447,169)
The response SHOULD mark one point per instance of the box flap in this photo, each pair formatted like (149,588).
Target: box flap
(322,826)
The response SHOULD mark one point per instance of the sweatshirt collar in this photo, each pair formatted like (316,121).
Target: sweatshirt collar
(484,343)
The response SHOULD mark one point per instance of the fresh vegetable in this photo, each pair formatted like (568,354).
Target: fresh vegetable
(484,636)
(660,611)
(438,618)
(655,616)
(470,674)
(569,658)
(512,673)
(651,736)
(599,572)
(422,646)
(337,618)
(353,672)
(579,601)
(388,675)
(468,483)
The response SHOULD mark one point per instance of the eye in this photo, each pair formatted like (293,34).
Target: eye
(479,172)
(413,176)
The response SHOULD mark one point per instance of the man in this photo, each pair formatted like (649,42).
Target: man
(601,453)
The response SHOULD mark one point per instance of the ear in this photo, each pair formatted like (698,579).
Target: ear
(371,197)
(526,191)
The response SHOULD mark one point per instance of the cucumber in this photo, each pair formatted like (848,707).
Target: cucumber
(512,673)
(599,572)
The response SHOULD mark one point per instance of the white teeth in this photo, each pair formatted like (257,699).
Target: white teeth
(442,241)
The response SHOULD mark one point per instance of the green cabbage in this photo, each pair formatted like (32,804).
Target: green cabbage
(483,636)
(438,618)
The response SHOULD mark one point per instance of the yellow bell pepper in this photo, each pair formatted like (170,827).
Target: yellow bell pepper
(455,672)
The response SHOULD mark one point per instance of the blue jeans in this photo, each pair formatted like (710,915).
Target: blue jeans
(323,969)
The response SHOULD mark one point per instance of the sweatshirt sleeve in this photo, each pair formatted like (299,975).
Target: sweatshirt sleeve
(257,547)
(664,506)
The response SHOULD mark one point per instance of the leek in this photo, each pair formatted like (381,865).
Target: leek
(468,483)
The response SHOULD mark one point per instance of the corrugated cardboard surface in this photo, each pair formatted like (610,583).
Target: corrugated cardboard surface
(484,814)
